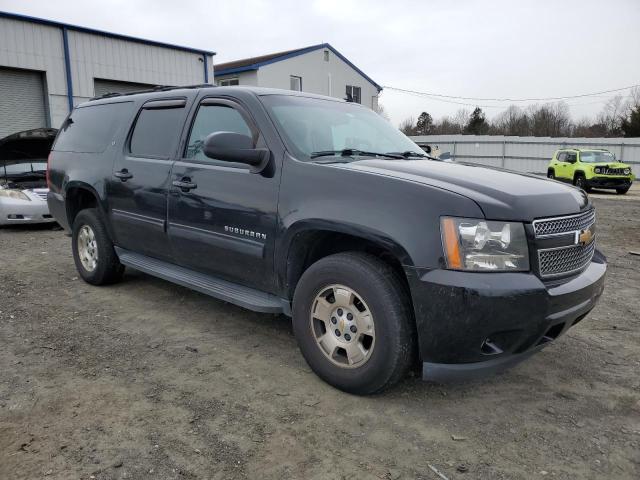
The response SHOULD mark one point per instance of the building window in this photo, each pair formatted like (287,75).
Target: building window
(296,83)
(326,55)
(354,94)
(229,82)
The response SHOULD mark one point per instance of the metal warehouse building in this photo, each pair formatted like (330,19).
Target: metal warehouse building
(48,67)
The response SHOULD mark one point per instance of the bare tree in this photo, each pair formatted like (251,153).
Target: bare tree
(380,110)
(407,126)
(612,115)
(513,121)
(461,118)
(550,120)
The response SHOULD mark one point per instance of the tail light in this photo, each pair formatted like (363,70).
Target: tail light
(48,176)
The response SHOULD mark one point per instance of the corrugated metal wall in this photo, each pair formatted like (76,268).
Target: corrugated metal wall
(524,154)
(37,47)
(30,45)
(102,87)
(95,56)
(22,101)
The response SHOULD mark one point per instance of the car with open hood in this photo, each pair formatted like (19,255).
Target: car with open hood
(23,170)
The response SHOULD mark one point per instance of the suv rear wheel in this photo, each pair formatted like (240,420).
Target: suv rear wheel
(551,173)
(353,322)
(93,253)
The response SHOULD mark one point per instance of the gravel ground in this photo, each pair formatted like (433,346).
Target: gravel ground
(145,379)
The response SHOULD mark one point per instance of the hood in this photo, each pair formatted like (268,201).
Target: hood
(24,154)
(27,145)
(501,194)
(609,164)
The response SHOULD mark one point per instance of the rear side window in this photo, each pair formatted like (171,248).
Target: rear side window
(156,132)
(91,129)
(562,157)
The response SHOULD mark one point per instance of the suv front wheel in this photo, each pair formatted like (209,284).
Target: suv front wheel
(93,253)
(353,322)
(581,182)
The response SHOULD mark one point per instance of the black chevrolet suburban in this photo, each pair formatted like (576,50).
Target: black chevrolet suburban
(316,208)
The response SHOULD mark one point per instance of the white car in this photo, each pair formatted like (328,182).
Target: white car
(23,184)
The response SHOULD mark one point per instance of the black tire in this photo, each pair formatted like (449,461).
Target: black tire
(108,268)
(551,174)
(623,190)
(581,182)
(390,306)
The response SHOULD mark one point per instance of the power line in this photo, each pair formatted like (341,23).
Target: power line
(541,99)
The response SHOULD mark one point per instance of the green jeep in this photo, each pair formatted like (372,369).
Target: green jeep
(590,168)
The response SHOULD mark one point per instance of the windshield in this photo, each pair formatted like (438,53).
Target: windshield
(312,125)
(596,157)
(10,168)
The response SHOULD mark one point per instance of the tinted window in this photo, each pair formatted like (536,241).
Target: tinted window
(210,119)
(90,129)
(156,132)
(571,157)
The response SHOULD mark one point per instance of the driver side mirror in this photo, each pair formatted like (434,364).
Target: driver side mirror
(235,147)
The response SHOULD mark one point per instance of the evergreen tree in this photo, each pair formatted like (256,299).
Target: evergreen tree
(477,124)
(631,126)
(424,125)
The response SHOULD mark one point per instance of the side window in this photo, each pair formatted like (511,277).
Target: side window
(90,129)
(571,157)
(295,83)
(156,132)
(354,94)
(562,157)
(210,119)
(229,82)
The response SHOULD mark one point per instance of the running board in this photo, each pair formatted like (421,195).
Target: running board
(240,295)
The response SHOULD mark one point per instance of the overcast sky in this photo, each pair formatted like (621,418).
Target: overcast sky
(488,49)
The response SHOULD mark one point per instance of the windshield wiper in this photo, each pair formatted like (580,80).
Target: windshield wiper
(412,154)
(352,152)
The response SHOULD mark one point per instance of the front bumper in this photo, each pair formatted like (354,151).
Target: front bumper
(609,182)
(473,324)
(16,211)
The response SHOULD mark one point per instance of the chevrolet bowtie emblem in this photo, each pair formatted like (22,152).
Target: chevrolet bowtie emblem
(584,237)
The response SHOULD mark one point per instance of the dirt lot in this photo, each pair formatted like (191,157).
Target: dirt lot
(149,380)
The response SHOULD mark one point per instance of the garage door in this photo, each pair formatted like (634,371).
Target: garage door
(102,87)
(22,105)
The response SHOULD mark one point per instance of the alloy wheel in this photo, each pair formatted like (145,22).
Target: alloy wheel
(342,326)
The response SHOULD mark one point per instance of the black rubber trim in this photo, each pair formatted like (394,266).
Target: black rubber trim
(462,372)
(240,295)
(137,218)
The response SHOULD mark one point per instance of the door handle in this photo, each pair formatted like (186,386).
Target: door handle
(185,184)
(123,175)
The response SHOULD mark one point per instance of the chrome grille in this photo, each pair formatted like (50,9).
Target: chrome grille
(571,223)
(611,171)
(562,261)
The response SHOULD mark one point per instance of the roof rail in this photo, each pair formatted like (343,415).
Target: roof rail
(159,88)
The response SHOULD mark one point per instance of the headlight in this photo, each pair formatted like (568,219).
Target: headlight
(627,171)
(474,244)
(597,170)
(17,194)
